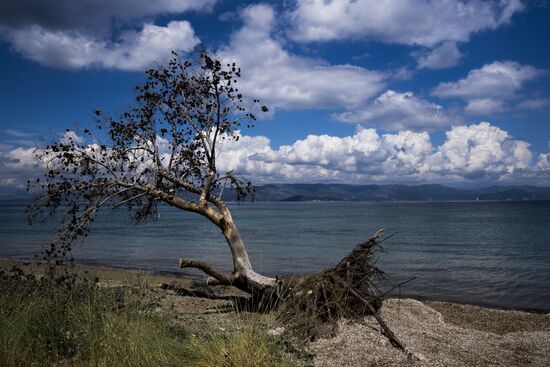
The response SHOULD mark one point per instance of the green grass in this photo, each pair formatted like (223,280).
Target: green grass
(242,348)
(242,341)
(72,321)
(49,321)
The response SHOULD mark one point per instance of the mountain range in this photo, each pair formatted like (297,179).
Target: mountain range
(343,192)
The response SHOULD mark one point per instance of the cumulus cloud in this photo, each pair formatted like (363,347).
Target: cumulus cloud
(475,153)
(543,163)
(284,80)
(491,88)
(17,165)
(132,51)
(70,137)
(117,34)
(330,158)
(409,22)
(444,56)
(399,111)
(478,153)
(499,80)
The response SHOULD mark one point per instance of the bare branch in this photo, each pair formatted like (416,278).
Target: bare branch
(222,278)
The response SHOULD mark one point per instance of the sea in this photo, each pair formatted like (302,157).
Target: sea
(493,254)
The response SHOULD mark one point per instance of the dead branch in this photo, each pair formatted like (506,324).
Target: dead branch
(387,331)
(207,269)
(312,305)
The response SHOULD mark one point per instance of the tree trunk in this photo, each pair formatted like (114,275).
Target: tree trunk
(245,278)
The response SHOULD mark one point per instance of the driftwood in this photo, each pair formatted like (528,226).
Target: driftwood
(313,304)
(387,331)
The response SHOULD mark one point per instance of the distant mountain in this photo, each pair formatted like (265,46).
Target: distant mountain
(341,192)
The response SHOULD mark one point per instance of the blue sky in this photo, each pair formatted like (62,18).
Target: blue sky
(363,91)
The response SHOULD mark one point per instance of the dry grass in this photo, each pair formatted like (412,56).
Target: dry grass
(70,320)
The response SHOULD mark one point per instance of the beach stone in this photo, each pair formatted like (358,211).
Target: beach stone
(433,341)
(276,331)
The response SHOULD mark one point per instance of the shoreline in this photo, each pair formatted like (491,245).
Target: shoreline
(435,333)
(178,276)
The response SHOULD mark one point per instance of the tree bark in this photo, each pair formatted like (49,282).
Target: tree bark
(245,278)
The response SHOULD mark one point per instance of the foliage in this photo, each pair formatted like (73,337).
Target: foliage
(162,150)
(245,347)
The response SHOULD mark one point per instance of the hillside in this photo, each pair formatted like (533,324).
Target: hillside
(340,192)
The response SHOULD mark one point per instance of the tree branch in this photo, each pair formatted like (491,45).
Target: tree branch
(129,200)
(191,188)
(222,278)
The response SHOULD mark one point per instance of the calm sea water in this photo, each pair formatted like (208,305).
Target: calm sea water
(494,254)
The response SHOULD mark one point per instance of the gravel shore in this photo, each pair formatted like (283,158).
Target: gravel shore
(440,334)
(435,333)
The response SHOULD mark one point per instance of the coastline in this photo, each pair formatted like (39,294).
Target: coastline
(436,333)
(111,270)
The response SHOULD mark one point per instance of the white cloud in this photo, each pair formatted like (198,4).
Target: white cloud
(69,137)
(17,165)
(410,22)
(20,157)
(402,73)
(479,153)
(491,88)
(18,133)
(132,51)
(399,111)
(283,80)
(484,106)
(499,80)
(535,103)
(475,153)
(331,158)
(543,163)
(444,56)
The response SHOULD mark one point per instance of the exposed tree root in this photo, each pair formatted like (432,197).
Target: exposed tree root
(313,304)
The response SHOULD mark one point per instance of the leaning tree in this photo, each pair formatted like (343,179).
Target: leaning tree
(164,149)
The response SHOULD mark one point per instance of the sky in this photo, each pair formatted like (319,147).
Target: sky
(360,92)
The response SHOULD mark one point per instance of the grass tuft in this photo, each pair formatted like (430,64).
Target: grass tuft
(247,347)
(47,321)
(69,320)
